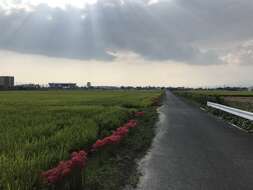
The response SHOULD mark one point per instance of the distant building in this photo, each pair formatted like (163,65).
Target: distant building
(6,82)
(88,84)
(62,85)
(107,87)
(27,86)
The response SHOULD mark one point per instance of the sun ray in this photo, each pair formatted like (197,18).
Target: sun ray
(10,4)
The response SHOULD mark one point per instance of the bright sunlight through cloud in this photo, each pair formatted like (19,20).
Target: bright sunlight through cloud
(9,4)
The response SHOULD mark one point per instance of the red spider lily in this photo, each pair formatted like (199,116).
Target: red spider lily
(64,168)
(65,172)
(113,139)
(52,179)
(139,114)
(121,131)
(131,124)
(98,144)
(78,159)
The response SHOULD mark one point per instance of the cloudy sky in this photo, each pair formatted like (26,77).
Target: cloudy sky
(128,42)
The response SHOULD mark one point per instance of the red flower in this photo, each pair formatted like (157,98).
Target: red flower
(65,172)
(83,153)
(78,159)
(131,124)
(98,144)
(121,131)
(64,168)
(113,139)
(139,114)
(52,179)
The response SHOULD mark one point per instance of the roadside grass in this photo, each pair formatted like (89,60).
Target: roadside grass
(40,128)
(221,93)
(200,97)
(116,166)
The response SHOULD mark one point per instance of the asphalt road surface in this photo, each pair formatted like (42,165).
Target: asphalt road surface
(195,151)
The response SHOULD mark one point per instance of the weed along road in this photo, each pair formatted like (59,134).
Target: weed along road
(195,151)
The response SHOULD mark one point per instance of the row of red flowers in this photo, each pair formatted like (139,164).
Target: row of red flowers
(116,136)
(78,159)
(64,168)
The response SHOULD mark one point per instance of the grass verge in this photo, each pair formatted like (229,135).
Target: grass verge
(200,99)
(116,166)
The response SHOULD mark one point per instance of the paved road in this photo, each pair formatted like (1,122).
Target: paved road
(196,151)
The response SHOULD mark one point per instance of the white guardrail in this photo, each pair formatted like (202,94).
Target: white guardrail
(234,111)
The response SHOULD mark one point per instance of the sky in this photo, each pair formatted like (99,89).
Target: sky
(191,43)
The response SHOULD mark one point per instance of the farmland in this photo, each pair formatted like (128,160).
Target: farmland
(40,128)
(222,93)
(238,99)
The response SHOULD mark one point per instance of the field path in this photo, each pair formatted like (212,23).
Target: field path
(195,151)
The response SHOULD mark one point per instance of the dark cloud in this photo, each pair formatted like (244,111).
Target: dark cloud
(179,30)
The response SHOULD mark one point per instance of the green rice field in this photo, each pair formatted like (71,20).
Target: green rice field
(40,128)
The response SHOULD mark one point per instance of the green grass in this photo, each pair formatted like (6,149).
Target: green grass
(39,128)
(218,96)
(228,98)
(116,166)
(221,93)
